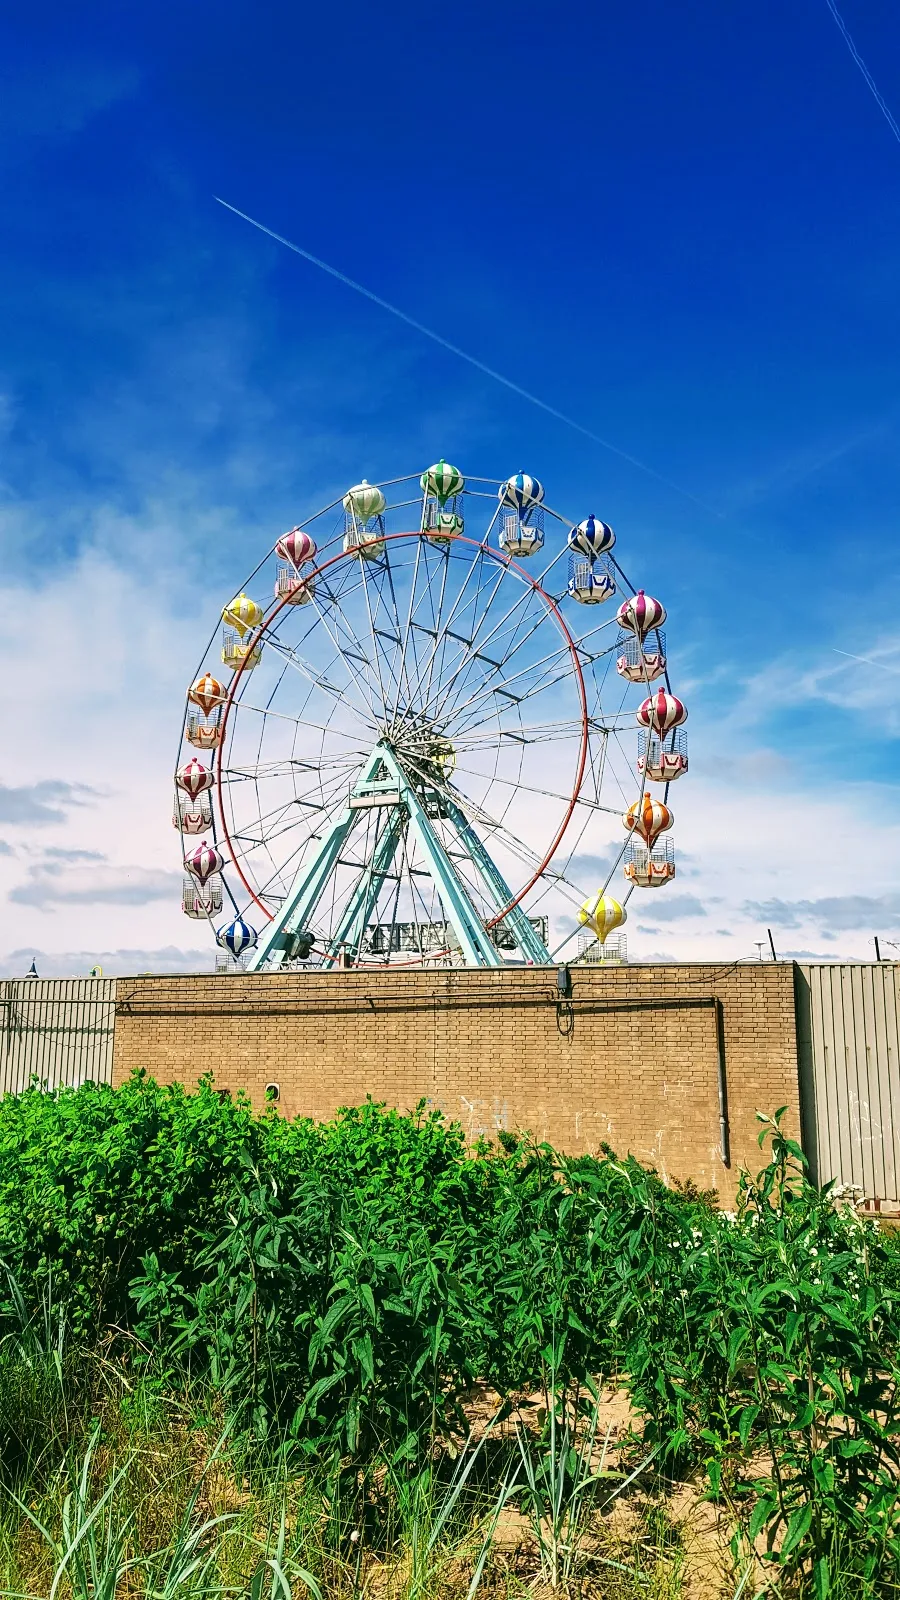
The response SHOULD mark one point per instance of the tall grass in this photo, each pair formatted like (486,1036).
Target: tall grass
(152,1504)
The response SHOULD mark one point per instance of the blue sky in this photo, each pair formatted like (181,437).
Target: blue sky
(678,225)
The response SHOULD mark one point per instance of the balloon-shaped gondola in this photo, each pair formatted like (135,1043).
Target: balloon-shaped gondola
(602,914)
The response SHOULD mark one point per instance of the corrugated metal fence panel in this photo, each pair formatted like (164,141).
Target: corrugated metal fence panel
(58,1030)
(848,1026)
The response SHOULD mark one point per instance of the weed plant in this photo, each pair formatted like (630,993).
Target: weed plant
(175,1271)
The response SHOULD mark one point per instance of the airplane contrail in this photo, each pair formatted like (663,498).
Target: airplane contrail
(490,372)
(878,665)
(874,90)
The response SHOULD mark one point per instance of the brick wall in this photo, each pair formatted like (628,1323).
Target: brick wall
(632,1060)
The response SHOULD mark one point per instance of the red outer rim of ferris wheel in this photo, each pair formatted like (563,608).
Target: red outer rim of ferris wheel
(553,609)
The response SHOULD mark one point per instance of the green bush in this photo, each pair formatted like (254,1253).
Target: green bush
(343,1286)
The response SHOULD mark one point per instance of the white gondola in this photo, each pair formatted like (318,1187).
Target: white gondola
(363,538)
(363,521)
(650,869)
(201,901)
(612,952)
(235,652)
(441,523)
(192,814)
(289,586)
(590,582)
(639,662)
(663,760)
(521,536)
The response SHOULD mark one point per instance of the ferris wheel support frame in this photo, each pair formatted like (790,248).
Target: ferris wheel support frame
(398,794)
(351,929)
(521,927)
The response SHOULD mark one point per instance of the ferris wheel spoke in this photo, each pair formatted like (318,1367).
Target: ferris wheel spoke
(320,681)
(272,693)
(291,766)
(561,654)
(428,708)
(483,561)
(270,833)
(452,702)
(524,734)
(327,787)
(616,780)
(472,811)
(514,644)
(442,626)
(561,553)
(352,649)
(537,789)
(432,692)
(384,716)
(393,633)
(454,672)
(587,651)
(599,765)
(397,664)
(490,576)
(506,626)
(518,697)
(407,642)
(281,870)
(317,727)
(476,813)
(423,670)
(430,562)
(337,782)
(282,809)
(525,595)
(573,844)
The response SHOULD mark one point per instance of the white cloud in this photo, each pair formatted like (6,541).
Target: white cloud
(670,907)
(101,655)
(115,963)
(37,804)
(89,881)
(862,684)
(845,912)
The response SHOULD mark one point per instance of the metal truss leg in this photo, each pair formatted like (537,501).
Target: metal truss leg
(477,946)
(352,926)
(310,882)
(527,937)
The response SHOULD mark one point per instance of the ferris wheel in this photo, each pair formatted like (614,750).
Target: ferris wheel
(419,726)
